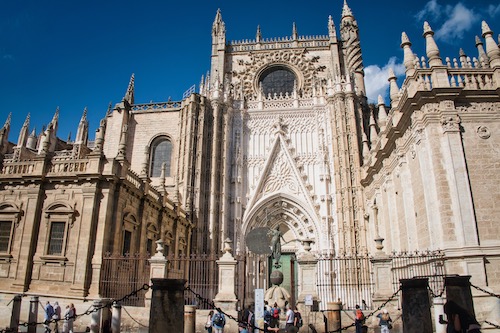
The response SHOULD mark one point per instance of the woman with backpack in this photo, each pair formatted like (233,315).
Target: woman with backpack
(218,322)
(385,321)
(208,324)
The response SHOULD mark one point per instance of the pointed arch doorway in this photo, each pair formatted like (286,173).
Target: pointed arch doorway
(295,224)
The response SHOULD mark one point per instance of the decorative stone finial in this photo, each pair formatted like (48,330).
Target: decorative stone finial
(331,27)
(491,46)
(258,35)
(346,11)
(295,35)
(408,54)
(129,94)
(393,86)
(431,46)
(382,113)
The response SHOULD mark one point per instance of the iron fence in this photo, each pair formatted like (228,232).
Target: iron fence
(345,278)
(121,274)
(419,264)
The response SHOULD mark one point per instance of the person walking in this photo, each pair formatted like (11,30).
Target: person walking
(359,318)
(275,316)
(208,323)
(385,321)
(56,316)
(69,317)
(49,313)
(218,322)
(290,318)
(459,320)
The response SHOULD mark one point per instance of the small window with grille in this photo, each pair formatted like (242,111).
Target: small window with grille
(56,238)
(5,235)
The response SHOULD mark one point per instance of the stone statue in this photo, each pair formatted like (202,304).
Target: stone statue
(276,245)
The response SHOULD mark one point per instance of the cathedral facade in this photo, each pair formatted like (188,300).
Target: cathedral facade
(280,135)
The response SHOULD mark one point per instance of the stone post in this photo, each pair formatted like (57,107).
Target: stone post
(158,268)
(382,277)
(189,319)
(438,311)
(33,314)
(458,290)
(333,316)
(306,276)
(226,297)
(106,316)
(167,306)
(416,306)
(16,312)
(95,319)
(116,318)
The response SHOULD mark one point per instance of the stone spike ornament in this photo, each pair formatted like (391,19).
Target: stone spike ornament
(408,54)
(482,56)
(129,94)
(393,86)
(331,28)
(295,35)
(432,49)
(218,27)
(258,35)
(373,129)
(23,134)
(492,49)
(382,112)
(346,11)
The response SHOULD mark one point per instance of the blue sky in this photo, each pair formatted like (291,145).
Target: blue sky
(76,54)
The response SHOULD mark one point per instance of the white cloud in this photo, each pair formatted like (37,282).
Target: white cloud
(432,10)
(460,19)
(493,10)
(376,79)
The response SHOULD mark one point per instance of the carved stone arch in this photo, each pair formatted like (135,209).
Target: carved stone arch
(60,208)
(282,209)
(12,211)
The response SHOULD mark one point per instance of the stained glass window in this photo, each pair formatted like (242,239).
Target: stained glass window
(277,80)
(161,152)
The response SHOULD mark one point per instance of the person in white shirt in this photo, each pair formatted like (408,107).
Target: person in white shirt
(290,317)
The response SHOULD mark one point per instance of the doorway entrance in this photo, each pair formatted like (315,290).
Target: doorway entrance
(289,269)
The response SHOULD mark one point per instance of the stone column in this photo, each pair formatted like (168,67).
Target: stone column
(33,315)
(226,297)
(189,319)
(116,318)
(416,306)
(307,276)
(16,312)
(333,316)
(167,306)
(158,268)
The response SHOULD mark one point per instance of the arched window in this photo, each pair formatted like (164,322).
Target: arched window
(277,80)
(161,152)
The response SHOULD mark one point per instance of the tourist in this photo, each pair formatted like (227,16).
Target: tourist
(208,323)
(218,322)
(385,321)
(275,316)
(69,318)
(49,313)
(297,319)
(290,318)
(359,318)
(459,320)
(56,316)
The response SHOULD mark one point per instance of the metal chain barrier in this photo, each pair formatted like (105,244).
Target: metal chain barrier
(485,291)
(212,305)
(133,319)
(381,306)
(86,313)
(494,325)
(434,295)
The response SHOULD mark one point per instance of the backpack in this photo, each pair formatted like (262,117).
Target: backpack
(218,320)
(359,315)
(276,313)
(299,319)
(267,316)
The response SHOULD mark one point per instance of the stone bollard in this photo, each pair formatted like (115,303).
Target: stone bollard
(167,306)
(416,306)
(189,319)
(16,312)
(116,318)
(106,316)
(95,320)
(33,315)
(333,316)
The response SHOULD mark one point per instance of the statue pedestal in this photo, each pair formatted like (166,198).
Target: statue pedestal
(307,276)
(226,297)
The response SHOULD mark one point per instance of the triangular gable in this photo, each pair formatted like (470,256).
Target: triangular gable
(280,174)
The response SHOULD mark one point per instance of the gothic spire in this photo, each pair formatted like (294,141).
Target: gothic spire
(393,87)
(23,134)
(4,132)
(346,11)
(331,27)
(218,27)
(129,94)
(82,132)
(409,58)
(258,35)
(382,112)
(491,46)
(295,36)
(431,46)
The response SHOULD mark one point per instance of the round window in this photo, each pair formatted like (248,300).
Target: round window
(277,80)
